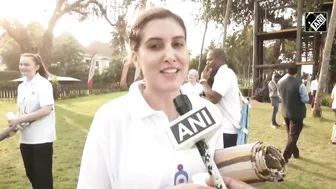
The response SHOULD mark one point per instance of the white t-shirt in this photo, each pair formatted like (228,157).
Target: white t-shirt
(196,89)
(226,84)
(314,85)
(128,148)
(32,96)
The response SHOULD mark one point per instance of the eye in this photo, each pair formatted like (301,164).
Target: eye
(179,44)
(154,46)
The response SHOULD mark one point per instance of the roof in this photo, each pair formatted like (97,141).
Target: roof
(100,48)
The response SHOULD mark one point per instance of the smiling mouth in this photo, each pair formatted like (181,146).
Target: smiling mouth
(170,71)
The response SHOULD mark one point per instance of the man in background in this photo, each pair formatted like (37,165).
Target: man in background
(275,98)
(313,89)
(224,93)
(294,96)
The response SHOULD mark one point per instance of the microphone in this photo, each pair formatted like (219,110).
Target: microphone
(193,129)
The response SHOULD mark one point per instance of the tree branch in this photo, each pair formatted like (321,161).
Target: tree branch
(101,8)
(7,26)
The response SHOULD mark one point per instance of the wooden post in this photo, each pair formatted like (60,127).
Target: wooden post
(255,44)
(298,36)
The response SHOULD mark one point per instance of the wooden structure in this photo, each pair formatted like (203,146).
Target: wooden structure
(306,42)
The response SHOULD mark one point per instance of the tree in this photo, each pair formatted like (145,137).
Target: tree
(67,56)
(80,8)
(119,37)
(225,23)
(10,50)
(317,110)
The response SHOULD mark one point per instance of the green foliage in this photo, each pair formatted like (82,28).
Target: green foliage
(67,57)
(9,75)
(112,74)
(10,52)
(242,11)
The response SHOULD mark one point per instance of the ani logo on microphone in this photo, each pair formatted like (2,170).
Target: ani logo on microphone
(195,123)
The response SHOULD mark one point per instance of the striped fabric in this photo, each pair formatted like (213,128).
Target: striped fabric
(252,163)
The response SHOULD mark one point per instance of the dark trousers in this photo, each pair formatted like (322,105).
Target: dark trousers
(313,99)
(275,107)
(294,128)
(37,159)
(230,140)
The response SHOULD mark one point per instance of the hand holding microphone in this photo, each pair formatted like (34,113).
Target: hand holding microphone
(194,128)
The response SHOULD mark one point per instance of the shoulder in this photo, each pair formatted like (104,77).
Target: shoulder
(226,72)
(113,109)
(44,83)
(20,85)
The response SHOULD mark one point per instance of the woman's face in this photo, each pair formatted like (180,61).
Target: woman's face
(163,55)
(28,67)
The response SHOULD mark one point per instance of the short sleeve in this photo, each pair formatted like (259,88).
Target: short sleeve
(222,82)
(46,96)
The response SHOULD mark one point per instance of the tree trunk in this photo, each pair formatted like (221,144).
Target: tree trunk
(226,19)
(47,47)
(200,57)
(317,111)
(125,69)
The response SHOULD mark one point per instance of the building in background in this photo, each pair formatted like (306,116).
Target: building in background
(102,58)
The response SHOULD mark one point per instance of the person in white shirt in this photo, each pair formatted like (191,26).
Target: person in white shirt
(313,89)
(333,98)
(192,86)
(36,106)
(275,98)
(127,147)
(224,93)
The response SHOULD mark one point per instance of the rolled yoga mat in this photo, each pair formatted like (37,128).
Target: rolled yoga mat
(252,163)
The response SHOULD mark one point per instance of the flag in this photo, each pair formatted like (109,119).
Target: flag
(91,72)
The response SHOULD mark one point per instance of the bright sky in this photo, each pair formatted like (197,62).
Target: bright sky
(90,30)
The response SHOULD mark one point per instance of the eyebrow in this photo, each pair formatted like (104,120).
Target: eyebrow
(158,38)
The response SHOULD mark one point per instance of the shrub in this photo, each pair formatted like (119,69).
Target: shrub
(9,75)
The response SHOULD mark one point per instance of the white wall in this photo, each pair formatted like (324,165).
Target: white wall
(101,62)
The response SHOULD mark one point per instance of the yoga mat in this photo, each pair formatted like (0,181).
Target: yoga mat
(252,163)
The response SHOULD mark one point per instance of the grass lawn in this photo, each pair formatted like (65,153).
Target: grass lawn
(316,168)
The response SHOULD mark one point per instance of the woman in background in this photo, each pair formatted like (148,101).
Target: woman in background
(35,102)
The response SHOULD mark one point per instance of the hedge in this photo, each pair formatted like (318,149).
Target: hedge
(9,75)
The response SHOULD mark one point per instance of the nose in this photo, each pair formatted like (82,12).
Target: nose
(169,55)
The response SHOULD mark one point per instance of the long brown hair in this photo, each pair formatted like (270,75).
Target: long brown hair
(135,35)
(38,61)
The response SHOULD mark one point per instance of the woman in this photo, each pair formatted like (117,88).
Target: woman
(192,87)
(36,106)
(127,146)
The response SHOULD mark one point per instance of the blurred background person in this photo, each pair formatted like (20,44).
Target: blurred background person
(192,86)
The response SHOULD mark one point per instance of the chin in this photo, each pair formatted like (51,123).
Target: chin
(170,87)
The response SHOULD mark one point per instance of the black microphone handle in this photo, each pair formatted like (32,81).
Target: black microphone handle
(183,105)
